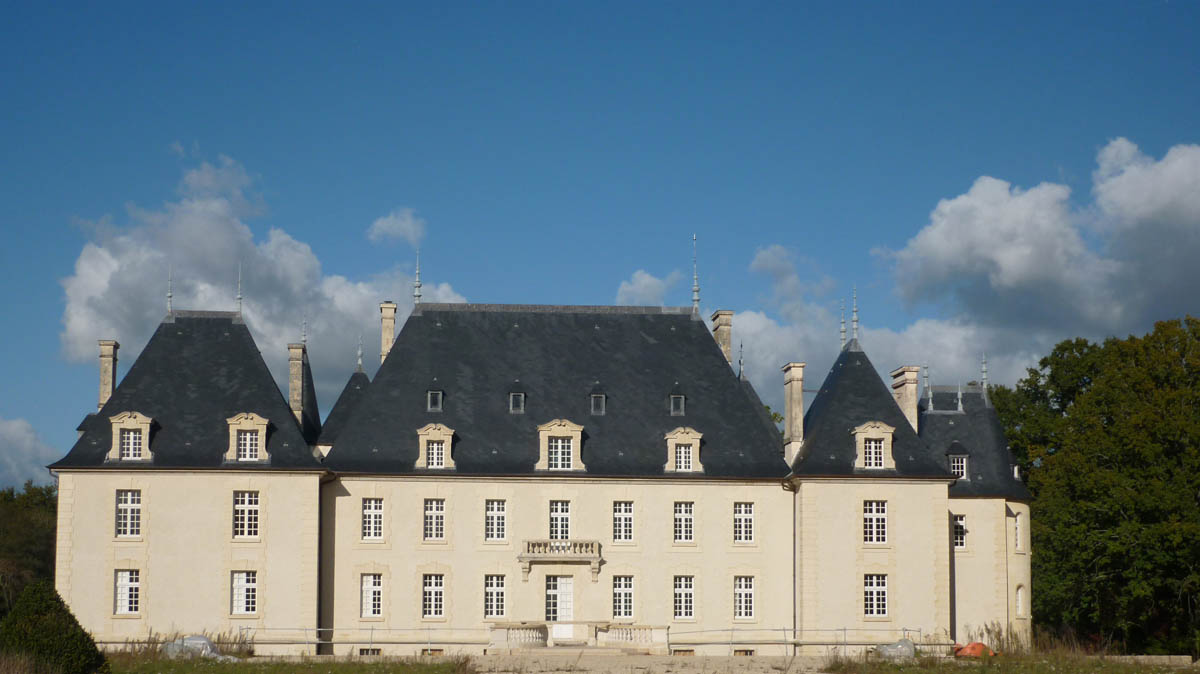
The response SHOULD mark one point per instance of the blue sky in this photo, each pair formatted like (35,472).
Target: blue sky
(993,177)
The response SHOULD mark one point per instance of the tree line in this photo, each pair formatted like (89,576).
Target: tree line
(27,522)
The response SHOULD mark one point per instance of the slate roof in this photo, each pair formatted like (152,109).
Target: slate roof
(851,395)
(352,394)
(197,370)
(478,354)
(975,432)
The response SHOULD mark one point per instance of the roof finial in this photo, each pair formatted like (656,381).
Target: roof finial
(304,329)
(169,293)
(960,396)
(695,280)
(740,345)
(417,281)
(239,296)
(360,368)
(842,305)
(928,390)
(854,314)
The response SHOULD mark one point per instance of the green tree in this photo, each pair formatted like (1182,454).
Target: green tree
(41,626)
(1110,438)
(27,522)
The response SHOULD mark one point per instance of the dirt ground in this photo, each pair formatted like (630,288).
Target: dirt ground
(643,664)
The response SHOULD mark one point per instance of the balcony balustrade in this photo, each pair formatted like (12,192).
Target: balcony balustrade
(542,550)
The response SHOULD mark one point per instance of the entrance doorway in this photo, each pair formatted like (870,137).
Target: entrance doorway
(560,605)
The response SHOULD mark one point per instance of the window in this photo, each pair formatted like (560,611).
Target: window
(677,406)
(245,514)
(128,593)
(366,652)
(598,401)
(685,608)
(560,520)
(622,521)
(874,521)
(960,531)
(743,522)
(433,401)
(493,596)
(432,595)
(958,466)
(622,596)
(372,595)
(247,445)
(435,519)
(683,457)
(683,522)
(516,403)
(245,592)
(1017,532)
(558,453)
(1020,601)
(875,594)
(129,512)
(131,443)
(494,520)
(372,519)
(873,452)
(743,597)
(436,457)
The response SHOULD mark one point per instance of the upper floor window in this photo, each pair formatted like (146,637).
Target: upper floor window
(372,519)
(683,451)
(130,437)
(622,521)
(743,522)
(433,401)
(598,403)
(873,452)
(560,520)
(873,442)
(684,529)
(245,514)
(683,457)
(494,520)
(436,454)
(247,445)
(131,443)
(874,521)
(958,466)
(516,403)
(127,594)
(960,532)
(677,406)
(247,438)
(559,446)
(244,585)
(434,443)
(129,512)
(558,454)
(875,594)
(434,528)
(1017,542)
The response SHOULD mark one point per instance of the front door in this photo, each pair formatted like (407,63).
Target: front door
(560,605)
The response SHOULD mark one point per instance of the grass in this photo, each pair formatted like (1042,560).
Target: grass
(128,663)
(1038,663)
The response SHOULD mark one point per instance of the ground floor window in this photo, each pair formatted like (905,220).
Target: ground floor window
(372,595)
(743,597)
(875,594)
(433,595)
(245,592)
(128,592)
(493,596)
(684,597)
(622,596)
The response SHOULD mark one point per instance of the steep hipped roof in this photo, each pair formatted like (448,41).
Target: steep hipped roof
(339,416)
(310,414)
(975,432)
(852,395)
(197,370)
(556,356)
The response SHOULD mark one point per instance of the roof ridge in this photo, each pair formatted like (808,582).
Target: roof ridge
(552,308)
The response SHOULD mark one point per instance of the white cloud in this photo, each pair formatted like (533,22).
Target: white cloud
(23,455)
(402,223)
(118,288)
(645,289)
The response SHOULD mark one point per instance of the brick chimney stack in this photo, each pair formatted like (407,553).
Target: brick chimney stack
(108,369)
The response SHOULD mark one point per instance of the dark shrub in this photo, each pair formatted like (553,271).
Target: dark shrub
(42,627)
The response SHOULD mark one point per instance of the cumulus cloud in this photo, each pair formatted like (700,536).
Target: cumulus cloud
(23,455)
(402,223)
(645,289)
(119,284)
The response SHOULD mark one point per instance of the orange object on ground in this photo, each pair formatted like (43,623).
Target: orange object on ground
(974,649)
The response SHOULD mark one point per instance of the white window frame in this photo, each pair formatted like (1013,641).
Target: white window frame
(433,595)
(127,592)
(685,522)
(873,452)
(123,447)
(493,596)
(372,519)
(875,522)
(622,590)
(434,400)
(238,449)
(1017,533)
(683,457)
(372,595)
(247,514)
(131,444)
(875,595)
(559,451)
(743,522)
(958,466)
(622,522)
(495,520)
(248,445)
(960,532)
(516,403)
(560,520)
(599,404)
(684,597)
(243,587)
(434,524)
(554,432)
(743,597)
(435,454)
(129,513)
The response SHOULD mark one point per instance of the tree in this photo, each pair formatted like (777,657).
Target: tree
(27,541)
(1109,435)
(41,626)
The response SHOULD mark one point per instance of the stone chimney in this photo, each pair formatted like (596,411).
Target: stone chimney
(722,328)
(904,390)
(793,410)
(108,369)
(387,320)
(296,356)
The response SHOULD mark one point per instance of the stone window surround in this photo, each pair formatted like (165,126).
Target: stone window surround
(874,430)
(247,421)
(560,428)
(129,420)
(433,433)
(684,435)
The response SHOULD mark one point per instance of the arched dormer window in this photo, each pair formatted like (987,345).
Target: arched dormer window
(873,445)
(559,446)
(247,439)
(130,437)
(683,451)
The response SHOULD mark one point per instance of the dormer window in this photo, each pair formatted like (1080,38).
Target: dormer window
(247,445)
(131,444)
(677,405)
(247,438)
(130,437)
(559,446)
(683,451)
(433,401)
(516,403)
(683,458)
(598,401)
(873,452)
(958,466)
(434,443)
(873,445)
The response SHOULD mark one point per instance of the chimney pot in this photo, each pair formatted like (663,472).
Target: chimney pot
(387,320)
(108,369)
(722,328)
(793,410)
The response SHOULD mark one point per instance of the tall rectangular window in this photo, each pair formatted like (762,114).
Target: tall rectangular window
(743,522)
(873,452)
(435,519)
(435,456)
(131,443)
(1017,532)
(129,512)
(558,453)
(685,605)
(683,457)
(433,595)
(128,592)
(247,445)
(622,596)
(372,519)
(743,597)
(245,514)
(493,596)
(874,521)
(245,592)
(684,531)
(875,594)
(622,521)
(372,595)
(958,466)
(494,516)
(560,520)
(960,531)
